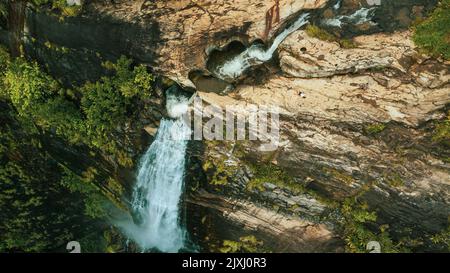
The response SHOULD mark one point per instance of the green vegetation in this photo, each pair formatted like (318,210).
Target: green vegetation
(220,172)
(394,179)
(357,218)
(65,9)
(442,238)
(374,129)
(441,132)
(94,201)
(246,244)
(321,34)
(43,204)
(39,208)
(339,175)
(27,87)
(57,5)
(347,43)
(271,173)
(90,114)
(433,34)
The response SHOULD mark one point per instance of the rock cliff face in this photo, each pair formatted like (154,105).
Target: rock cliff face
(355,122)
(202,26)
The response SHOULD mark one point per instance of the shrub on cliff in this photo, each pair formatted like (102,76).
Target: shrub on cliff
(91,114)
(321,34)
(38,212)
(43,205)
(27,86)
(108,103)
(433,34)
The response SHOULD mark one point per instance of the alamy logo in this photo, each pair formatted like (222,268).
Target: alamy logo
(249,122)
(373,247)
(73,247)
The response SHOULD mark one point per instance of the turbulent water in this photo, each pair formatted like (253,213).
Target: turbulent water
(337,5)
(176,104)
(256,54)
(360,16)
(159,187)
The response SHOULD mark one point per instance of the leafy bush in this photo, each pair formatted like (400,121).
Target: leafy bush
(131,83)
(246,244)
(94,201)
(441,132)
(27,86)
(374,129)
(442,238)
(433,34)
(4,60)
(60,5)
(321,34)
(61,116)
(66,9)
(271,173)
(3,10)
(37,212)
(40,199)
(356,234)
(105,106)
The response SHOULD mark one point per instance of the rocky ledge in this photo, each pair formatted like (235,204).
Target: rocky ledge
(359,111)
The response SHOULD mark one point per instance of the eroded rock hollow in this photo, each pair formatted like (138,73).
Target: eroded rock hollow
(359,104)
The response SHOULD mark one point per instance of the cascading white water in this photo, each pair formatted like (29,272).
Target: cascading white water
(337,5)
(159,187)
(256,54)
(360,16)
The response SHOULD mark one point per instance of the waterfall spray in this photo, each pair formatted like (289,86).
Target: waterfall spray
(160,184)
(363,15)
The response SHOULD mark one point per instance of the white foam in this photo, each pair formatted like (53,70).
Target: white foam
(360,16)
(158,190)
(337,5)
(256,54)
(176,105)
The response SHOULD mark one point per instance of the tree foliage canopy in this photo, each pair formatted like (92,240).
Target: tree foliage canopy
(43,204)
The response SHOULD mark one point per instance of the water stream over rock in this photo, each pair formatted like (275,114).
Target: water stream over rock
(160,185)
(256,53)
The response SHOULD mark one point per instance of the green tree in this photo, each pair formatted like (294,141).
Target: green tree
(43,204)
(38,212)
(27,86)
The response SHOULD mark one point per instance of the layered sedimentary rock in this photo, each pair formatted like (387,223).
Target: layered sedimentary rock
(172,36)
(330,97)
(354,121)
(189,29)
(281,233)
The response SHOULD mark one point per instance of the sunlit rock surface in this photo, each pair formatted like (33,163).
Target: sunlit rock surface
(354,120)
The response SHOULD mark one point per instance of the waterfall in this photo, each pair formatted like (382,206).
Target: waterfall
(256,54)
(159,187)
(337,5)
(360,16)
